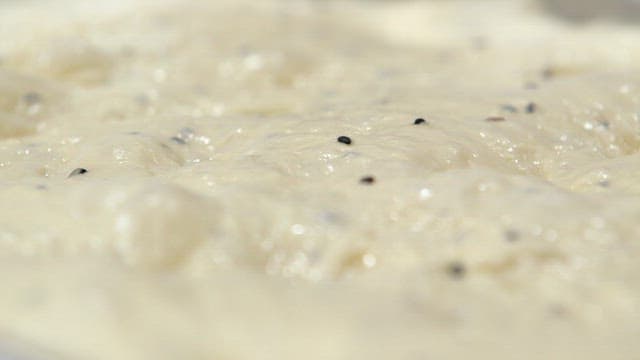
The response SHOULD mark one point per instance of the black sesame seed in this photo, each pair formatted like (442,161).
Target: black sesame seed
(456,270)
(368,180)
(531,108)
(32,98)
(419,121)
(344,139)
(548,73)
(178,140)
(78,171)
(511,235)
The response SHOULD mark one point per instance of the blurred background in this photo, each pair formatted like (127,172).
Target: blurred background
(574,10)
(584,10)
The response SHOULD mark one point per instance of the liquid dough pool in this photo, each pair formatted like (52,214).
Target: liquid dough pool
(172,187)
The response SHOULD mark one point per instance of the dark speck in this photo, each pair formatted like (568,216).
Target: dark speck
(78,171)
(32,98)
(604,183)
(456,270)
(419,121)
(511,235)
(530,86)
(558,311)
(332,218)
(495,119)
(531,108)
(178,140)
(548,72)
(345,140)
(368,180)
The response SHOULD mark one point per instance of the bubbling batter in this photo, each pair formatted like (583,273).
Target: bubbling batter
(281,180)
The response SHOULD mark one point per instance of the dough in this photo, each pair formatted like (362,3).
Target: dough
(172,185)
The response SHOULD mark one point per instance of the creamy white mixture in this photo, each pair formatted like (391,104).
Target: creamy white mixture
(220,218)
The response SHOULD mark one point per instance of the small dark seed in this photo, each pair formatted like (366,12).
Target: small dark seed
(531,108)
(32,98)
(368,180)
(495,119)
(456,270)
(548,73)
(78,171)
(344,140)
(178,140)
(511,235)
(419,121)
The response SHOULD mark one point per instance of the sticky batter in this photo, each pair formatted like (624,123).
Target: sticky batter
(241,180)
